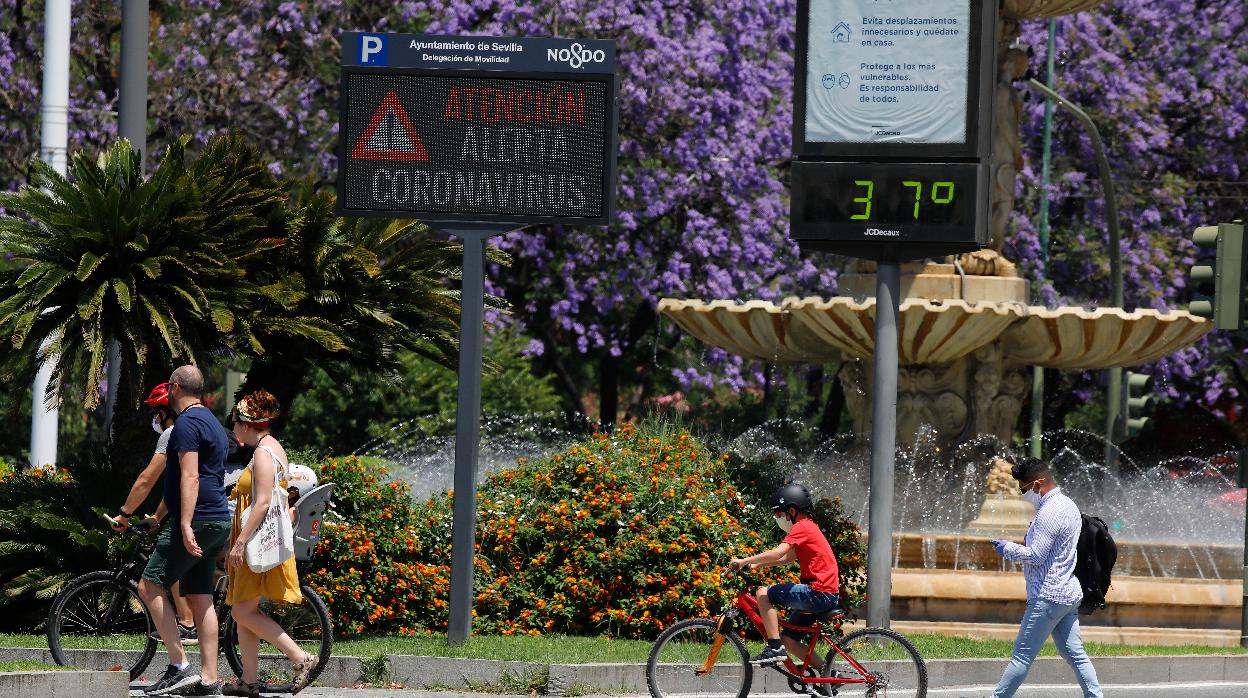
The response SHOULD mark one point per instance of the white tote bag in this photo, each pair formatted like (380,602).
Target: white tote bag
(274,541)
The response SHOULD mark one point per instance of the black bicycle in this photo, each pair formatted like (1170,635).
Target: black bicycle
(98,621)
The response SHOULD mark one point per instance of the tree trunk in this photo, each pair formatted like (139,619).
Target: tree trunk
(284,377)
(131,440)
(814,391)
(608,391)
(768,378)
(830,422)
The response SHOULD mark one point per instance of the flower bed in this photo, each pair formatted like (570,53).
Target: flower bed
(620,535)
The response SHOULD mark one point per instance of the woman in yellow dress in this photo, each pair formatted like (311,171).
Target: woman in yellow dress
(252,416)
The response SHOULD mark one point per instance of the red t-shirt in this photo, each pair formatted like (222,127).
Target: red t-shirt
(814,557)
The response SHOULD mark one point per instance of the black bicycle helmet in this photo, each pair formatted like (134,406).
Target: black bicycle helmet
(793,494)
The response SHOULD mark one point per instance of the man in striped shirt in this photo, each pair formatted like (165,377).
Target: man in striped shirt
(1053,592)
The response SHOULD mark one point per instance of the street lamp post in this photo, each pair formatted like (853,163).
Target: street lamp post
(1115,397)
(53,149)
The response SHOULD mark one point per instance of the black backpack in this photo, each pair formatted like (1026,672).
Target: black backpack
(1094,560)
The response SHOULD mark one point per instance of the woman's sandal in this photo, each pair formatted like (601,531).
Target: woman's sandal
(303,673)
(242,688)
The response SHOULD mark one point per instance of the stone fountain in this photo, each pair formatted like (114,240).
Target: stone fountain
(967,340)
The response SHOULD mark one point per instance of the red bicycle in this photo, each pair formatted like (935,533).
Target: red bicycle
(709,657)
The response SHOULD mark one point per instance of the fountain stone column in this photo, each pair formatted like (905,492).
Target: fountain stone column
(978,393)
(1005,513)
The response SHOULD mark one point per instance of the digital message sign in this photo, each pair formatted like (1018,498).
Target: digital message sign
(891,126)
(904,77)
(477,129)
(888,74)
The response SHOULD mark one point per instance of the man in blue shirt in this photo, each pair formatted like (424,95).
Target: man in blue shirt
(1053,592)
(194,534)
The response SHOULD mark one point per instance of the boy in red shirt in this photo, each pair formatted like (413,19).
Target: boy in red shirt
(820,587)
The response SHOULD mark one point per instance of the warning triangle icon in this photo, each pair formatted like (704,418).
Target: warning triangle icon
(390,134)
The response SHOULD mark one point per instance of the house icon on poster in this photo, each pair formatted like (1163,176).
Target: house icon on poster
(840,33)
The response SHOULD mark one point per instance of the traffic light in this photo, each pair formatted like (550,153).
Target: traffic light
(1218,289)
(1139,401)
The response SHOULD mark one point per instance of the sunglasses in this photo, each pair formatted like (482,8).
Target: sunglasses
(1024,488)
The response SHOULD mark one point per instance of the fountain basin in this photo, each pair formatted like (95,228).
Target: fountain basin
(964,596)
(810,330)
(1146,559)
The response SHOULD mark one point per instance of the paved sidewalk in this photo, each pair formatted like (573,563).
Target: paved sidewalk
(1163,690)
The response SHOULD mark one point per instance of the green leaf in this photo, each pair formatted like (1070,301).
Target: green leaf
(88,264)
(122,291)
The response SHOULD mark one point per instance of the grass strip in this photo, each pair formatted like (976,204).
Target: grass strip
(563,649)
(33,666)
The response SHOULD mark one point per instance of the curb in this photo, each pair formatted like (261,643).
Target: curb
(64,684)
(608,678)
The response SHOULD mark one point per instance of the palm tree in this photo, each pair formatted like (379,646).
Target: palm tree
(104,254)
(382,285)
(207,259)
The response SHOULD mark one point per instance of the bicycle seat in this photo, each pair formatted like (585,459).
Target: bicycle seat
(834,614)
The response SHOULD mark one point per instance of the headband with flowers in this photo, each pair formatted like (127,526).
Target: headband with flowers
(247,415)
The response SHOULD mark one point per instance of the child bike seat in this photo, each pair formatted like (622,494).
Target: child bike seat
(309,511)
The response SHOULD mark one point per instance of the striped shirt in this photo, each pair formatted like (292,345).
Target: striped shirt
(1048,556)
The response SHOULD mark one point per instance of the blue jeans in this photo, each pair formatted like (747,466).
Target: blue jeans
(1041,619)
(804,602)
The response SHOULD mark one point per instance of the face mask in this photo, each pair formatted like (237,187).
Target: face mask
(1033,497)
(156,425)
(783,522)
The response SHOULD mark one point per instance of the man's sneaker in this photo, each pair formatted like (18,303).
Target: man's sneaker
(185,633)
(769,655)
(199,688)
(173,679)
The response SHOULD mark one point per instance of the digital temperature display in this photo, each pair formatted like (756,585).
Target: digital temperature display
(848,204)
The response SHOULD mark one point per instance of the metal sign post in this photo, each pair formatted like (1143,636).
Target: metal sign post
(883,441)
(891,139)
(468,425)
(478,135)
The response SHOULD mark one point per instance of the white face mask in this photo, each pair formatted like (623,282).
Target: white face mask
(1033,497)
(783,522)
(157,426)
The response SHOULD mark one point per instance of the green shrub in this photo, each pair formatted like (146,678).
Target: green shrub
(51,530)
(619,535)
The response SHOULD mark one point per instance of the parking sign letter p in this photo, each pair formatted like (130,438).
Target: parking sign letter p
(370,46)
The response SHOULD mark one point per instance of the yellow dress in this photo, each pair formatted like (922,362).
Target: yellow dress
(279,584)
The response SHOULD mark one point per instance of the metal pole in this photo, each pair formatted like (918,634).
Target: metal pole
(1115,398)
(883,444)
(1243,619)
(467,427)
(1046,168)
(132,100)
(132,126)
(53,149)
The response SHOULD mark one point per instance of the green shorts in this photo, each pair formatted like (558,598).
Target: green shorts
(170,562)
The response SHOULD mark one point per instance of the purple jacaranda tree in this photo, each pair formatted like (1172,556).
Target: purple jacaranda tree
(1170,98)
(705,135)
(705,119)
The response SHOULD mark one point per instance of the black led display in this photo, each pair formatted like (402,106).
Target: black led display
(450,146)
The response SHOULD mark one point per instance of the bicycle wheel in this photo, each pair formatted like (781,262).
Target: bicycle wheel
(680,655)
(884,655)
(97,622)
(307,623)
